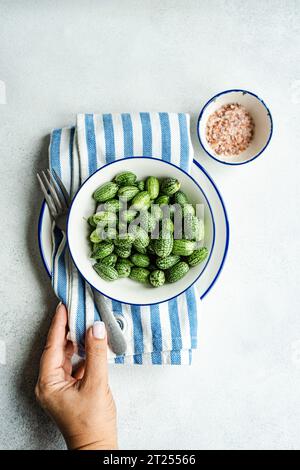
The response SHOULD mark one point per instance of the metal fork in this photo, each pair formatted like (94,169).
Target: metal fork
(58,202)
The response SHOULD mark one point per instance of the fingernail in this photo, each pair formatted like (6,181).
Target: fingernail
(99,330)
(60,303)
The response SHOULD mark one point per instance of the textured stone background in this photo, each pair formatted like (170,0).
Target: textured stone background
(61,57)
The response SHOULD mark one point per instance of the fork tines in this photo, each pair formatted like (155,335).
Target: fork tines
(54,191)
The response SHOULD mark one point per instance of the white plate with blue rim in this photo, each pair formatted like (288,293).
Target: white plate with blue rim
(218,241)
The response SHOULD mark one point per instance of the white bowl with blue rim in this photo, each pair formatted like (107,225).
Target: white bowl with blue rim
(200,188)
(262,120)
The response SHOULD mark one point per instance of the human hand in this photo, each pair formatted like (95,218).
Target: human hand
(80,403)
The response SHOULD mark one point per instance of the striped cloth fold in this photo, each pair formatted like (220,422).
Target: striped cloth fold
(163,333)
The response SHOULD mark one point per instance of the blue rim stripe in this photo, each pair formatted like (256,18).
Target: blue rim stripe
(128,134)
(109,138)
(117,307)
(138,359)
(156,334)
(165,137)
(137,329)
(55,150)
(192,313)
(156,327)
(175,324)
(224,93)
(156,358)
(55,165)
(61,267)
(184,142)
(175,358)
(147,134)
(91,142)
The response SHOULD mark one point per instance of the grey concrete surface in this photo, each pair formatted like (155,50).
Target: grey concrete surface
(58,58)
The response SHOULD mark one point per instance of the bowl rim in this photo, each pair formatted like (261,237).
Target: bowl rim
(210,210)
(224,93)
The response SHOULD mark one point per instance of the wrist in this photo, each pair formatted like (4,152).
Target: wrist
(98,445)
(91,442)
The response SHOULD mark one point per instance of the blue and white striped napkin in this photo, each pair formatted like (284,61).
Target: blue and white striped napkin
(164,333)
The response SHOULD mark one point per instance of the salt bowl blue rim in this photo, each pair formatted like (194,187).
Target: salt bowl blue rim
(245,92)
(162,162)
(42,211)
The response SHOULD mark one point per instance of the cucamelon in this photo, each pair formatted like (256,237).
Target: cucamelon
(141,201)
(197,256)
(167,226)
(183,247)
(105,192)
(127,193)
(147,221)
(126,178)
(94,236)
(157,278)
(163,246)
(124,240)
(108,273)
(140,275)
(156,212)
(128,215)
(140,260)
(193,228)
(141,237)
(187,210)
(180,198)
(103,249)
(162,199)
(152,187)
(104,218)
(141,185)
(113,205)
(91,221)
(140,248)
(108,233)
(177,271)
(109,260)
(123,267)
(123,251)
(167,262)
(170,186)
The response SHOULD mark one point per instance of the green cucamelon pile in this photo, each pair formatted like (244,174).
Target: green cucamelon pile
(133,232)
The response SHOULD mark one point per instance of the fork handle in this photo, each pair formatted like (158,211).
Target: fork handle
(115,336)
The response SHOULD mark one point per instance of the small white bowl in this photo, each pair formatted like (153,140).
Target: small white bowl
(83,205)
(262,119)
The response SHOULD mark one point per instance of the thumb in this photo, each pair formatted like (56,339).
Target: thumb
(95,374)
